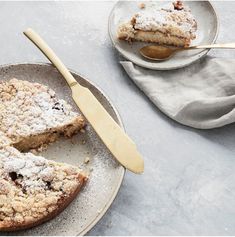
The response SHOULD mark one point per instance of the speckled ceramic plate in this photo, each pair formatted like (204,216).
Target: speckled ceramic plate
(106,174)
(208,26)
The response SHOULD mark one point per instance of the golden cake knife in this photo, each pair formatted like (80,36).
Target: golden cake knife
(116,140)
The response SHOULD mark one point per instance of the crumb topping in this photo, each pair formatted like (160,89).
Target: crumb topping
(30,108)
(126,31)
(173,19)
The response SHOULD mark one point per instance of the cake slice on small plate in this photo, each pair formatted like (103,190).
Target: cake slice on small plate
(172,24)
(34,189)
(32,115)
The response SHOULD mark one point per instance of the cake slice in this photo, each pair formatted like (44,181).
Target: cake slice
(31,115)
(170,25)
(33,189)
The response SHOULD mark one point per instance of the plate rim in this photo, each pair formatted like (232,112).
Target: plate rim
(120,122)
(199,56)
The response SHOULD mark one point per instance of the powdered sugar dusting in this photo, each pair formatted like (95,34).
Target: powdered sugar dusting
(13,164)
(167,20)
(33,169)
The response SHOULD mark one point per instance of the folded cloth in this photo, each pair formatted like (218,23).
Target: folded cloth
(201,95)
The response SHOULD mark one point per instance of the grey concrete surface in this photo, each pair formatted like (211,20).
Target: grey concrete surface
(188,187)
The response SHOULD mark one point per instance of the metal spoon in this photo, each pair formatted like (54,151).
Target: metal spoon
(160,53)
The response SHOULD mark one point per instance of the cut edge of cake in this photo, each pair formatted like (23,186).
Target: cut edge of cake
(36,141)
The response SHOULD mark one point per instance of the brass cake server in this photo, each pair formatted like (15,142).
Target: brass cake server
(116,140)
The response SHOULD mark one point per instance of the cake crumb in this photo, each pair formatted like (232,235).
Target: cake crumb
(82,130)
(142,5)
(43,147)
(86,160)
(83,141)
(178,5)
(34,151)
(39,149)
(73,140)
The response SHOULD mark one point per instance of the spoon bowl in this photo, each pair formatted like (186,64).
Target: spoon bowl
(157,52)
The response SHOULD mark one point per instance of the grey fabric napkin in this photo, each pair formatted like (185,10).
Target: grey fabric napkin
(201,95)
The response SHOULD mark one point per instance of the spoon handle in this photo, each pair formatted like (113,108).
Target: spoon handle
(214,46)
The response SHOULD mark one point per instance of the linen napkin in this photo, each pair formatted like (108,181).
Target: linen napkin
(201,95)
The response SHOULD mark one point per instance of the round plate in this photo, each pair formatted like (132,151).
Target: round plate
(106,174)
(206,18)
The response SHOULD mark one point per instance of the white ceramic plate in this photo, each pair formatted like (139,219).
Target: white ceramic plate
(204,13)
(107,175)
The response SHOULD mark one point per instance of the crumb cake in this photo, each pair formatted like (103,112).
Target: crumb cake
(31,115)
(34,189)
(169,25)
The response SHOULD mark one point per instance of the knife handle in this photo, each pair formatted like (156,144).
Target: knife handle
(48,52)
